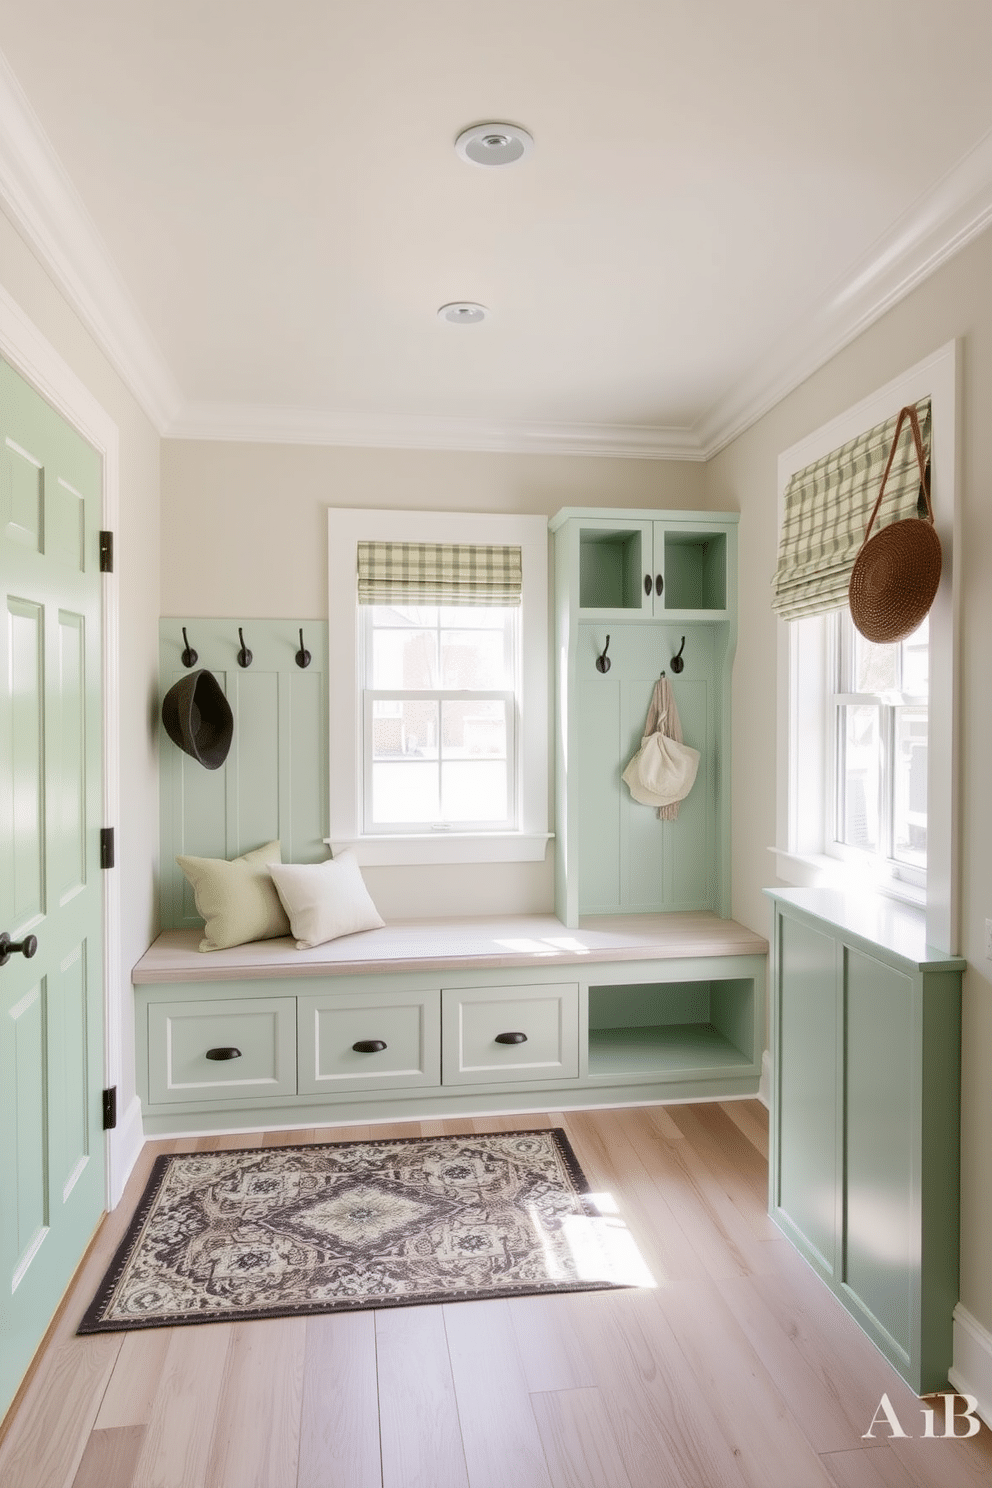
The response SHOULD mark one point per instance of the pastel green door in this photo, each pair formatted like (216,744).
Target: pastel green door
(51,1004)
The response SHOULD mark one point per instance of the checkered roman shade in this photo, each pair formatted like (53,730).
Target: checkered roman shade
(438,573)
(827,507)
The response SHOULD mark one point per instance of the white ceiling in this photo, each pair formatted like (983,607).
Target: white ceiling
(257,207)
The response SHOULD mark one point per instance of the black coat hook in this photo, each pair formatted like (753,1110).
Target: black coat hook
(244,655)
(603,661)
(189,657)
(303,657)
(677,662)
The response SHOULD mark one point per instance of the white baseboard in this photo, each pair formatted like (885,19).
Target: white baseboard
(124,1144)
(971,1373)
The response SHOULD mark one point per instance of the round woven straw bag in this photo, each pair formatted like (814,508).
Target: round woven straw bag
(895,576)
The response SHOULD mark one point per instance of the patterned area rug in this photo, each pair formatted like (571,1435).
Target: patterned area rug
(282,1231)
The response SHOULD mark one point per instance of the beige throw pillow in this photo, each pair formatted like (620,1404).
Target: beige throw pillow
(237,899)
(325,900)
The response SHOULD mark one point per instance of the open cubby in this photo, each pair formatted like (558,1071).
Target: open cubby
(695,571)
(659,1027)
(610,569)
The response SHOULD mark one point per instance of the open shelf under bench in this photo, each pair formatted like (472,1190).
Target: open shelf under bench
(617,1010)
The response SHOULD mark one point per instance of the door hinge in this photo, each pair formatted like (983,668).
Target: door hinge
(106,847)
(110,1108)
(106,552)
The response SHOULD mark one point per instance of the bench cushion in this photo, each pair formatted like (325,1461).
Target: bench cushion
(445,945)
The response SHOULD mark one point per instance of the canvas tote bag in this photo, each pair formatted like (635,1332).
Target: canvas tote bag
(664,769)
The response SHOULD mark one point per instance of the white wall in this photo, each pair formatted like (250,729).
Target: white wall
(956,301)
(244,533)
(138,567)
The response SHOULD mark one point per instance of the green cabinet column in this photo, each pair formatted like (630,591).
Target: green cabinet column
(655,585)
(864,1151)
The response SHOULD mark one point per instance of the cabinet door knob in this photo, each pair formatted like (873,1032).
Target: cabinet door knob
(369,1046)
(511,1038)
(659,583)
(647,584)
(230,1052)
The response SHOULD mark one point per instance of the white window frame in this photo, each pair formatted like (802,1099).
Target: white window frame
(803,670)
(347,527)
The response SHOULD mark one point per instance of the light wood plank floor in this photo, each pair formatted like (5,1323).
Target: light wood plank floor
(735,1367)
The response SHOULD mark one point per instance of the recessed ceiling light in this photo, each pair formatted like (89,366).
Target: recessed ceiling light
(462,312)
(494,144)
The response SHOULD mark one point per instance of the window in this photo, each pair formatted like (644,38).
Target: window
(439,717)
(439,710)
(877,749)
(866,784)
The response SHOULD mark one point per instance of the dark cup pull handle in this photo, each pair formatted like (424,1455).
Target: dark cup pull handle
(8,947)
(647,584)
(659,583)
(511,1038)
(369,1046)
(224,1053)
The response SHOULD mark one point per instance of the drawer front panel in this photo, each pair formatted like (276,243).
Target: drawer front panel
(472,1020)
(180,1034)
(407,1023)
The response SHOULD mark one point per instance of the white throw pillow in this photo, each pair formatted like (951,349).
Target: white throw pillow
(325,900)
(237,899)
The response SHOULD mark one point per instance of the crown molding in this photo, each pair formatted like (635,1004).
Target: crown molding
(940,223)
(39,198)
(261,425)
(42,203)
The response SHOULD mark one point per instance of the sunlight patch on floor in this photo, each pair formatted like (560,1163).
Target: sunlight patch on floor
(602,1247)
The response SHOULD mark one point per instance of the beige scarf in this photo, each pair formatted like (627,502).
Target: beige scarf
(663,715)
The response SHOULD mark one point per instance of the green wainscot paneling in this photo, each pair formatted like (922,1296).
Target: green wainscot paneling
(864,1148)
(274,782)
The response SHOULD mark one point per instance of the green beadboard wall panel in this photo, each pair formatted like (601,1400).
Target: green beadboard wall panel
(632,862)
(274,781)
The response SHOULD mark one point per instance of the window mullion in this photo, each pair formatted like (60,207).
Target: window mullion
(887,730)
(834,781)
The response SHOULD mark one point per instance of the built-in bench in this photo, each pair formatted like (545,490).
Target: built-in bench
(442,1017)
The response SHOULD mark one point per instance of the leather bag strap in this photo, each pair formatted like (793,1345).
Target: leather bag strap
(914,424)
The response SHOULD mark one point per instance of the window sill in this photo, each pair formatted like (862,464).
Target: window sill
(816,870)
(412,849)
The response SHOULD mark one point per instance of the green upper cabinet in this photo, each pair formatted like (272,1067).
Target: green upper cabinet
(646,566)
(633,591)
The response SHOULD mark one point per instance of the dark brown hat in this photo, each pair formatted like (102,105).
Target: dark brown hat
(198,717)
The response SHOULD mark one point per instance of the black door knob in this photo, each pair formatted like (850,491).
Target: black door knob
(227,1052)
(369,1046)
(8,947)
(511,1038)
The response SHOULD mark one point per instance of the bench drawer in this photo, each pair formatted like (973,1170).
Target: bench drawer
(406,1024)
(477,1020)
(188,1042)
